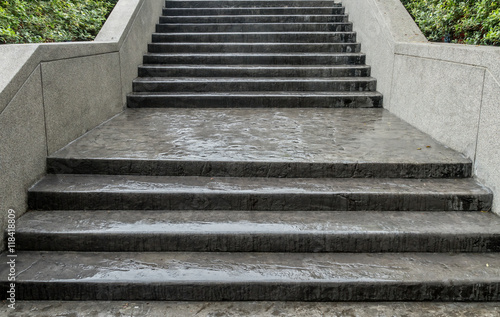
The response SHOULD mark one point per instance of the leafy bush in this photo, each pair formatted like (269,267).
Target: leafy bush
(36,21)
(467,21)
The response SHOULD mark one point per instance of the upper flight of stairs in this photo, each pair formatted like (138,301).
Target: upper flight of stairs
(254,54)
(255,162)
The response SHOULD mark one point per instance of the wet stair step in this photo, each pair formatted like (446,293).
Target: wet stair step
(185,47)
(258,231)
(257,37)
(254,11)
(255,19)
(239,84)
(326,59)
(94,192)
(255,27)
(249,3)
(263,142)
(212,276)
(256,100)
(194,70)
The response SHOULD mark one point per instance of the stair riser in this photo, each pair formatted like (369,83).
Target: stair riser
(268,85)
(258,291)
(347,201)
(253,48)
(194,101)
(252,11)
(250,3)
(255,19)
(256,72)
(255,27)
(255,169)
(357,59)
(284,37)
(256,242)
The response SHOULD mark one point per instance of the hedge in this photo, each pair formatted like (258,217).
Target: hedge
(37,21)
(469,22)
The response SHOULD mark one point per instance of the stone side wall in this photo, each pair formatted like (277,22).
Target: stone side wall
(51,94)
(450,91)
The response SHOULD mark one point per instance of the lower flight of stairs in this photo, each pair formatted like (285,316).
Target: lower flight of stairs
(255,163)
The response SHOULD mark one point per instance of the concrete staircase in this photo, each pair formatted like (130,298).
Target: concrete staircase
(255,163)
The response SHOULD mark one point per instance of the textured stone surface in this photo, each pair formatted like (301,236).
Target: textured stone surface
(257,58)
(230,193)
(68,120)
(488,147)
(239,84)
(434,86)
(252,11)
(255,27)
(135,44)
(265,99)
(256,276)
(223,47)
(291,37)
(449,108)
(250,3)
(264,309)
(243,213)
(253,71)
(66,84)
(380,25)
(264,231)
(254,18)
(17,64)
(23,148)
(259,142)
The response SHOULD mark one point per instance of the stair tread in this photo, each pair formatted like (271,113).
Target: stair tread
(250,44)
(242,268)
(256,54)
(252,33)
(298,135)
(263,23)
(234,222)
(126,184)
(247,4)
(258,231)
(255,15)
(256,8)
(250,66)
(253,10)
(252,79)
(255,99)
(263,93)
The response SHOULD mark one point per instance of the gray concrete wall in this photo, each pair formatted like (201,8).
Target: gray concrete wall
(50,94)
(450,91)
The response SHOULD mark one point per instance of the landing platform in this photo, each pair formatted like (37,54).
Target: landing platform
(245,142)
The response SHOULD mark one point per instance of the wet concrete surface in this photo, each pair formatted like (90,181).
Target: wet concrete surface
(263,99)
(319,135)
(264,231)
(256,276)
(253,11)
(246,58)
(246,70)
(348,142)
(251,3)
(254,18)
(237,84)
(94,192)
(254,27)
(247,309)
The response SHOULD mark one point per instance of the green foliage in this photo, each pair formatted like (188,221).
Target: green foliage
(37,21)
(467,21)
